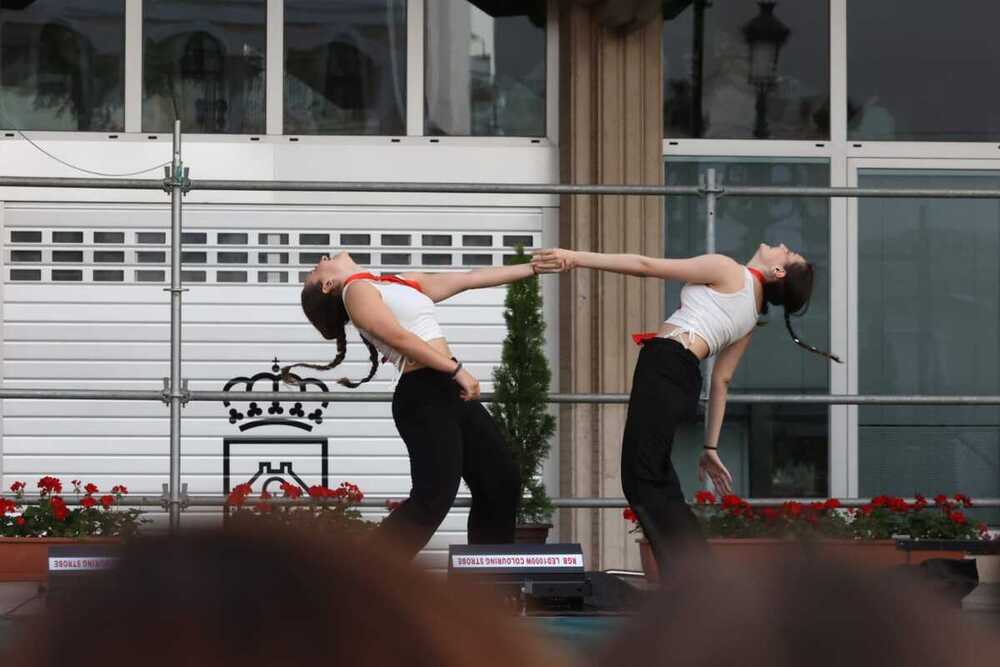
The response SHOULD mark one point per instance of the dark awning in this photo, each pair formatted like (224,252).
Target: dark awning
(533,9)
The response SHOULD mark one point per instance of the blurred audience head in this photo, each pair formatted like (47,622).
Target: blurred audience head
(789,615)
(257,598)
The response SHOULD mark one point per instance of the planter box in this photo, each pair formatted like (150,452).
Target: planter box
(27,558)
(532,533)
(864,554)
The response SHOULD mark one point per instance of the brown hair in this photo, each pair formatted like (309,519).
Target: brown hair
(239,598)
(788,614)
(794,290)
(327,312)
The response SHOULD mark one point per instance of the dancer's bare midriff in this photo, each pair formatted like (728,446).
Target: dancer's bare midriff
(439,344)
(692,341)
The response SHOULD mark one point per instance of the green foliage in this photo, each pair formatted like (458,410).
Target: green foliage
(521,384)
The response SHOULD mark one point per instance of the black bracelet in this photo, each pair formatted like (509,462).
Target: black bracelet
(707,447)
(457,369)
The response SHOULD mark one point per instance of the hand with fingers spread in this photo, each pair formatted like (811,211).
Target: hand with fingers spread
(710,466)
(553,260)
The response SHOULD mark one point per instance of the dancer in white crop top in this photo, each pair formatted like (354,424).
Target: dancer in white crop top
(449,435)
(720,303)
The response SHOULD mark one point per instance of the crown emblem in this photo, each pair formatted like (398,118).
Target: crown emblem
(296,417)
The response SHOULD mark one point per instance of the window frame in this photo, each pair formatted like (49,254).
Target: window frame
(845,157)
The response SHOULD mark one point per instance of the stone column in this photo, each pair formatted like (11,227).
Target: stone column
(611,133)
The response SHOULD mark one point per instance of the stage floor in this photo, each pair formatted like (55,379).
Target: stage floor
(579,633)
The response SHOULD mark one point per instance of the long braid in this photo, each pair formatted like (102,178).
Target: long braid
(373,356)
(328,314)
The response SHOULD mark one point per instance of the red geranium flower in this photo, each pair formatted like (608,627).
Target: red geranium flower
(630,515)
(88,501)
(107,502)
(20,521)
(17,487)
(90,488)
(731,501)
(793,509)
(263,507)
(59,511)
(291,490)
(49,485)
(964,499)
(119,490)
(352,492)
(898,505)
(831,504)
(238,495)
(705,498)
(959,518)
(318,491)
(940,499)
(920,502)
(770,514)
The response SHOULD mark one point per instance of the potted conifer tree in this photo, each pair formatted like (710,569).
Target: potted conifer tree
(521,387)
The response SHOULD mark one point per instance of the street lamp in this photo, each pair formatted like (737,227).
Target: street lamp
(765,34)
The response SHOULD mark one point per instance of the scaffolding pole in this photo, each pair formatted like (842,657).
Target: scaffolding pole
(177,179)
(712,190)
(495,188)
(555,399)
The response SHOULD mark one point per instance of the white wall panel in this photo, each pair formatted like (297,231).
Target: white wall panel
(79,333)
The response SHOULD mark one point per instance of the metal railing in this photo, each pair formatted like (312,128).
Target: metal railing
(379,502)
(175,393)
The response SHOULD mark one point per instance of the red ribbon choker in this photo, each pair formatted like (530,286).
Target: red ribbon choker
(383,279)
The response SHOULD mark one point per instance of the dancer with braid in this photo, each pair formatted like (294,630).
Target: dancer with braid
(449,435)
(720,303)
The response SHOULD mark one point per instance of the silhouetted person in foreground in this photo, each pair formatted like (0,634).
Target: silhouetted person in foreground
(239,598)
(811,614)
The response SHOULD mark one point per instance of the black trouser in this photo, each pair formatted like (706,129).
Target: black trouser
(665,390)
(450,439)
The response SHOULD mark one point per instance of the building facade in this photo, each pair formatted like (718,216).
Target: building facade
(764,93)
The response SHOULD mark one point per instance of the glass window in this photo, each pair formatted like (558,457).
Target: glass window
(203,62)
(772,450)
(62,65)
(485,68)
(746,70)
(927,79)
(928,312)
(345,67)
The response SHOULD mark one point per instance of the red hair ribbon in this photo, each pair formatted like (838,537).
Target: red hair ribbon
(384,279)
(641,338)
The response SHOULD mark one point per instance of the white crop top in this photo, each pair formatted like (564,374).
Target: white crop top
(717,318)
(413,309)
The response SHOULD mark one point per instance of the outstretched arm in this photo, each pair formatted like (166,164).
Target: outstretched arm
(717,270)
(440,286)
(710,464)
